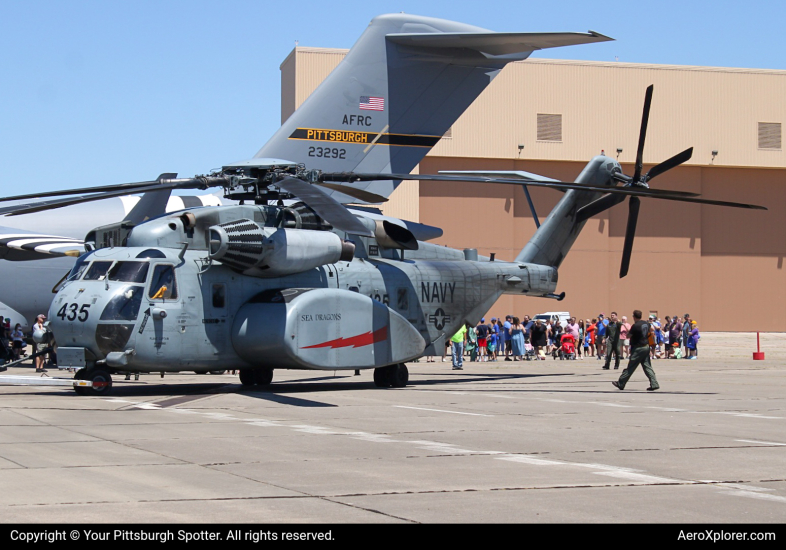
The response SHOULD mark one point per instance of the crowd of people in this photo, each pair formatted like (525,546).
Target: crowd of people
(13,345)
(604,338)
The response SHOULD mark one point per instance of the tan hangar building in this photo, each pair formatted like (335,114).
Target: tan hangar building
(723,266)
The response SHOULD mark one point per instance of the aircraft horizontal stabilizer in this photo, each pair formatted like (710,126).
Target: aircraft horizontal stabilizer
(496,43)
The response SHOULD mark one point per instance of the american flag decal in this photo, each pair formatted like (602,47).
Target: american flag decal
(369,103)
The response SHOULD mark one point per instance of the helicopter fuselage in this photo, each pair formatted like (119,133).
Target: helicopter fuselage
(171,306)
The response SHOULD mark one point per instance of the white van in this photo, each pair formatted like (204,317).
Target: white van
(563,316)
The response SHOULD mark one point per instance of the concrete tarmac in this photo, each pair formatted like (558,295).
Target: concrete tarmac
(499,442)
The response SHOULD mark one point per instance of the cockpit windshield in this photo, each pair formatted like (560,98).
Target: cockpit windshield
(79,268)
(129,272)
(126,272)
(97,271)
(124,305)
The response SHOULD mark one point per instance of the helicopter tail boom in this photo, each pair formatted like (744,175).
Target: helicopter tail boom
(556,235)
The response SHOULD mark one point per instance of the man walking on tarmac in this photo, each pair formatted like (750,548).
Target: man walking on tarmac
(613,342)
(639,354)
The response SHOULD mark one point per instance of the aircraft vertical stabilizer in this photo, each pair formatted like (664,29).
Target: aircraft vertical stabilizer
(398,90)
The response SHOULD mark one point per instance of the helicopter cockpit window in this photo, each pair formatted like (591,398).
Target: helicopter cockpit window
(97,271)
(124,305)
(129,272)
(163,285)
(79,268)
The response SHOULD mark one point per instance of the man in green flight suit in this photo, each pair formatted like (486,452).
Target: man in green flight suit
(613,344)
(639,353)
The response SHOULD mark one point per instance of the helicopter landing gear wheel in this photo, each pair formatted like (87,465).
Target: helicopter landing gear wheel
(399,376)
(80,390)
(246,377)
(393,376)
(263,377)
(102,382)
(380,378)
(256,377)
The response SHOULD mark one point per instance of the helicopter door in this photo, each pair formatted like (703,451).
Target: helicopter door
(165,308)
(216,332)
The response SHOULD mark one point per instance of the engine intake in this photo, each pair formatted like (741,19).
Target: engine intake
(259,251)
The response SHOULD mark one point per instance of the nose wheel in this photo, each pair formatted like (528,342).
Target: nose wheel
(392,376)
(101,379)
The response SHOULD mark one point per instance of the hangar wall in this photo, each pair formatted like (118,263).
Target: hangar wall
(723,266)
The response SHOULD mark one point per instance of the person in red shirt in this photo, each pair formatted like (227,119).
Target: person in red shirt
(591,327)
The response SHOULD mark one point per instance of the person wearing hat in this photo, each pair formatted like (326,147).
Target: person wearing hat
(38,327)
(493,339)
(639,354)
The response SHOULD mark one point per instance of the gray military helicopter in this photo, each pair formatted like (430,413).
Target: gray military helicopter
(290,277)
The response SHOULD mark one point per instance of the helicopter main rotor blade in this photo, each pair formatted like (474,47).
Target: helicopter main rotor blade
(129,187)
(667,165)
(325,206)
(630,233)
(361,194)
(554,184)
(41,206)
(633,191)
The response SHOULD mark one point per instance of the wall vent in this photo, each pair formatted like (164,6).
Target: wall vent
(549,127)
(770,135)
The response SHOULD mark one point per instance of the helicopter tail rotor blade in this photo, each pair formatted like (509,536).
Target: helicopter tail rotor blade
(630,233)
(667,165)
(643,134)
(600,205)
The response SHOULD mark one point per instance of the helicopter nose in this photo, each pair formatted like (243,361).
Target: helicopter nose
(101,320)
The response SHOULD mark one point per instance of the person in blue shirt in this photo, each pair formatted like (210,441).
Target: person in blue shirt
(506,350)
(527,327)
(600,336)
(492,340)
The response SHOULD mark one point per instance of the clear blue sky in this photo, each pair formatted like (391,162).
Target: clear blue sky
(98,92)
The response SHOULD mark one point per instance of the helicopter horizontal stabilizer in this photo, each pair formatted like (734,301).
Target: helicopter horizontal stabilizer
(507,174)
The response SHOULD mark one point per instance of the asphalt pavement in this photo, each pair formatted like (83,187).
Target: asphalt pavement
(498,442)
